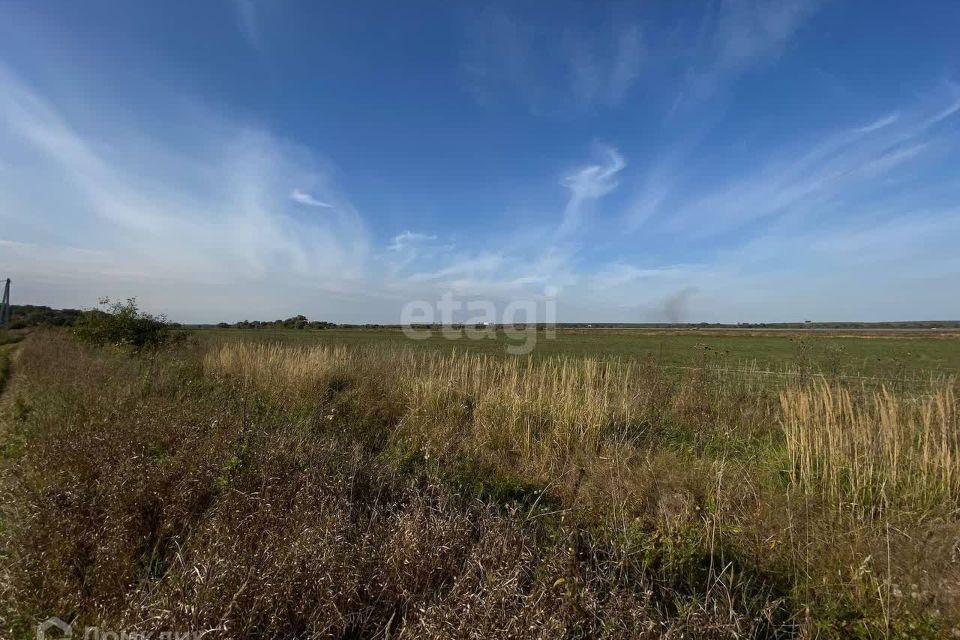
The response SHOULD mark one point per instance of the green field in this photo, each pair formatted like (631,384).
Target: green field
(886,356)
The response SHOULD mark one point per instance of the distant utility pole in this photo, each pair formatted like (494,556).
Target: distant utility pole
(5,305)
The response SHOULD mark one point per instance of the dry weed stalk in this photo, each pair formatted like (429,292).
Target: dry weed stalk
(876,451)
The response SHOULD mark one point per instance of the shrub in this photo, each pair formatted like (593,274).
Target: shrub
(123,325)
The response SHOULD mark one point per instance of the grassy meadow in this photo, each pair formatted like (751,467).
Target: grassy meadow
(886,355)
(355,484)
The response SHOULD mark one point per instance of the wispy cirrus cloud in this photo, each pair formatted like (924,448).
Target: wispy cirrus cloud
(184,215)
(208,229)
(407,239)
(603,75)
(750,30)
(588,184)
(304,198)
(470,266)
(737,35)
(879,123)
(618,274)
(498,56)
(551,72)
(810,177)
(247,22)
(950,109)
(215,225)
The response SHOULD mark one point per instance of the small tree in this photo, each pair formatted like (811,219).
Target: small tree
(123,325)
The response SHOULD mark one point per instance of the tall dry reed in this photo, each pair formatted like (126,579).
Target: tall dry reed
(874,451)
(543,415)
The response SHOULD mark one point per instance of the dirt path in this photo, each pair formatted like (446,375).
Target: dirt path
(9,350)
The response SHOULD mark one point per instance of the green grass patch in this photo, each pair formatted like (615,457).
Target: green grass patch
(6,362)
(893,357)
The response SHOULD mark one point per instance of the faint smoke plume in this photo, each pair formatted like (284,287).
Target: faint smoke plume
(675,306)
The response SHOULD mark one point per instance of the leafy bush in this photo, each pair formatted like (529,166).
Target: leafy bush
(123,325)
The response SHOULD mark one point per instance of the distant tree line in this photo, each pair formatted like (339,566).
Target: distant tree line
(908,324)
(26,315)
(302,322)
(23,316)
(296,322)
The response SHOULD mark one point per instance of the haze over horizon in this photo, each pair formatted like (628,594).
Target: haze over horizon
(724,161)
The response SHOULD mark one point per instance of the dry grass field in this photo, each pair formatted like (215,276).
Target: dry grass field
(367,489)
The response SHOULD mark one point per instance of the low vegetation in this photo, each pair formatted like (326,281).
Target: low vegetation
(896,360)
(124,325)
(23,316)
(244,488)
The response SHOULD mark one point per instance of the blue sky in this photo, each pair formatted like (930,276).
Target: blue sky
(714,161)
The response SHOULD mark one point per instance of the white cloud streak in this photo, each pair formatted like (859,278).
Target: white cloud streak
(588,184)
(799,180)
(305,198)
(878,124)
(407,239)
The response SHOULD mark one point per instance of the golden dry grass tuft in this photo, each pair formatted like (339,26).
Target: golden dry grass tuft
(877,451)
